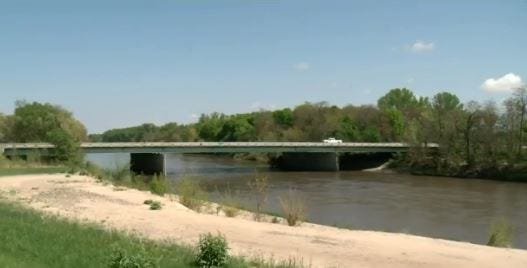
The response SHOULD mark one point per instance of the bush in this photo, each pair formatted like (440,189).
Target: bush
(67,147)
(120,259)
(155,205)
(212,251)
(190,194)
(148,201)
(293,207)
(500,234)
(159,185)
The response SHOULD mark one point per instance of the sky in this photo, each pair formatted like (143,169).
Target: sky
(123,63)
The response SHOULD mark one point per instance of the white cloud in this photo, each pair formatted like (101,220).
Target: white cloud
(259,106)
(194,116)
(422,46)
(505,83)
(302,66)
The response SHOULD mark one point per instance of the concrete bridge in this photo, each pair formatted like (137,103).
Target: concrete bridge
(148,157)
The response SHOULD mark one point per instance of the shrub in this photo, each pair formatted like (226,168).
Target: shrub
(121,173)
(258,186)
(148,201)
(229,204)
(120,259)
(230,211)
(159,185)
(190,194)
(212,251)
(500,234)
(293,207)
(155,205)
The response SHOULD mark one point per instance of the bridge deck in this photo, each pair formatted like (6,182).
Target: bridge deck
(211,147)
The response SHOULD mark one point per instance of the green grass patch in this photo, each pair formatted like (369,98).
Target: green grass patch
(32,239)
(32,170)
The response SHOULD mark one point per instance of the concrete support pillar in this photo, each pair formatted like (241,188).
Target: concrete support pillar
(363,160)
(147,163)
(309,162)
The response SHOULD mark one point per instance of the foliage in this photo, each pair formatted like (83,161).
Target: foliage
(190,193)
(212,251)
(258,186)
(229,203)
(120,174)
(155,205)
(37,122)
(159,185)
(293,207)
(120,259)
(500,234)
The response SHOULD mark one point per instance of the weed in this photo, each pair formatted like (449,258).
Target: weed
(212,251)
(293,207)
(258,186)
(500,234)
(120,259)
(155,205)
(229,204)
(190,194)
(159,185)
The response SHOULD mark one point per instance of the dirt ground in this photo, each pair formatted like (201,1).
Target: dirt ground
(84,198)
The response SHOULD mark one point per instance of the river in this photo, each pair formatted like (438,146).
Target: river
(442,207)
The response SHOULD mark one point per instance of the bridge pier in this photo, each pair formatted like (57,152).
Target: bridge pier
(309,162)
(148,163)
(362,161)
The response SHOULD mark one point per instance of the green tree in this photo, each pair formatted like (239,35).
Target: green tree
(401,99)
(33,121)
(209,126)
(283,118)
(36,122)
(348,130)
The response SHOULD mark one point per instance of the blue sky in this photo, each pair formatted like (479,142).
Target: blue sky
(122,63)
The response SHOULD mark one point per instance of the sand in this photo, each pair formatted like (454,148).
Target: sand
(83,198)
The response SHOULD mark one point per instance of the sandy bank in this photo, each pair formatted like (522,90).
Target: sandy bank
(318,246)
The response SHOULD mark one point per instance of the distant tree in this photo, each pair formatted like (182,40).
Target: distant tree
(37,122)
(443,105)
(283,118)
(237,128)
(95,137)
(401,99)
(209,126)
(348,130)
(33,121)
(4,128)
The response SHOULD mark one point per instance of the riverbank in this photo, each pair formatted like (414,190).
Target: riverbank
(84,198)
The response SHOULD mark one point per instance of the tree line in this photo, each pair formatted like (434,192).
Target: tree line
(483,138)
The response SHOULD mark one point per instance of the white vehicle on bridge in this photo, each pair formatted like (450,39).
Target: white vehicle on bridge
(332,140)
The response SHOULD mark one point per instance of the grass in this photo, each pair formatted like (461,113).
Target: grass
(32,170)
(293,206)
(191,194)
(501,233)
(32,239)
